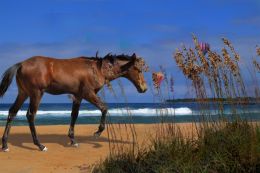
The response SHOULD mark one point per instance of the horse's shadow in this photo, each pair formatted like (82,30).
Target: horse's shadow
(63,140)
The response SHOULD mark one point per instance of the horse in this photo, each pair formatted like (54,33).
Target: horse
(81,77)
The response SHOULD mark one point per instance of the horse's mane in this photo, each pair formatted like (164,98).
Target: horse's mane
(122,57)
(109,57)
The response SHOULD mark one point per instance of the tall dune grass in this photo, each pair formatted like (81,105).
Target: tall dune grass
(217,146)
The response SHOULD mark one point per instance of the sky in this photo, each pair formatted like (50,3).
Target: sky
(152,29)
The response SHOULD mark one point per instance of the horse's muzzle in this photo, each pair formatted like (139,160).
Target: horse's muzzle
(142,89)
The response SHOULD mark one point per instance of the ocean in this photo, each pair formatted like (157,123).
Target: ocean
(59,113)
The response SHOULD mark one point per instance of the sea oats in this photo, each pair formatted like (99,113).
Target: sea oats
(258,51)
(157,77)
(256,64)
(172,84)
(226,42)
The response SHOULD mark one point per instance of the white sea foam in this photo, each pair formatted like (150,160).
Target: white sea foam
(113,112)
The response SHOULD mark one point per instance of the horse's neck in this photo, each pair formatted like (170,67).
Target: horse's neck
(112,71)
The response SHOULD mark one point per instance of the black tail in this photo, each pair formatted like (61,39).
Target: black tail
(8,77)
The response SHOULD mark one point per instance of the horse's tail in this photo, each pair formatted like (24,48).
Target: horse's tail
(8,77)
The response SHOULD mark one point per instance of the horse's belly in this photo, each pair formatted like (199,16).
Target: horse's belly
(57,89)
(55,92)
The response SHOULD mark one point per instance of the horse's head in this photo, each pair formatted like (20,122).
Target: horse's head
(133,71)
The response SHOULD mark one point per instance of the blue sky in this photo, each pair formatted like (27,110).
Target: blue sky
(153,29)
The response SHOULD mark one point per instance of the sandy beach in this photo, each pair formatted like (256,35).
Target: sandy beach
(24,156)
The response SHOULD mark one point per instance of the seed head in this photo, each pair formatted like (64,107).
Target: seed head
(157,77)
(258,51)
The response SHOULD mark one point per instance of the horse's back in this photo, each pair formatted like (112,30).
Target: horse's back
(50,74)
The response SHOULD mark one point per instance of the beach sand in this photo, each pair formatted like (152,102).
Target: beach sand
(24,156)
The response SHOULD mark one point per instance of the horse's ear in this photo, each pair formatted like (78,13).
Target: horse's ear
(109,58)
(134,56)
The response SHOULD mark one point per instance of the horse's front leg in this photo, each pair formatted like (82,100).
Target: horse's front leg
(95,100)
(35,99)
(74,116)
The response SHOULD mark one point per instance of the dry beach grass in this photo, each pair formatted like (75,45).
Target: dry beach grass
(229,144)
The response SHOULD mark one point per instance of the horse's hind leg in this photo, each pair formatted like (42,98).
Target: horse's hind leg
(12,113)
(34,104)
(74,116)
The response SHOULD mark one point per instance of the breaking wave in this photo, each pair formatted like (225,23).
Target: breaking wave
(114,112)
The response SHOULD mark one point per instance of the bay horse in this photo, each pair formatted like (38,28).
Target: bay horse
(81,77)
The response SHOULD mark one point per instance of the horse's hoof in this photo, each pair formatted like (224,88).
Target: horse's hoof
(44,149)
(76,145)
(5,149)
(97,134)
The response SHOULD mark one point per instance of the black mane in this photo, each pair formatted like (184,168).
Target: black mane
(122,57)
(111,58)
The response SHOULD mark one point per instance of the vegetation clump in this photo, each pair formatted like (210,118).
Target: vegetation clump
(228,145)
(232,148)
